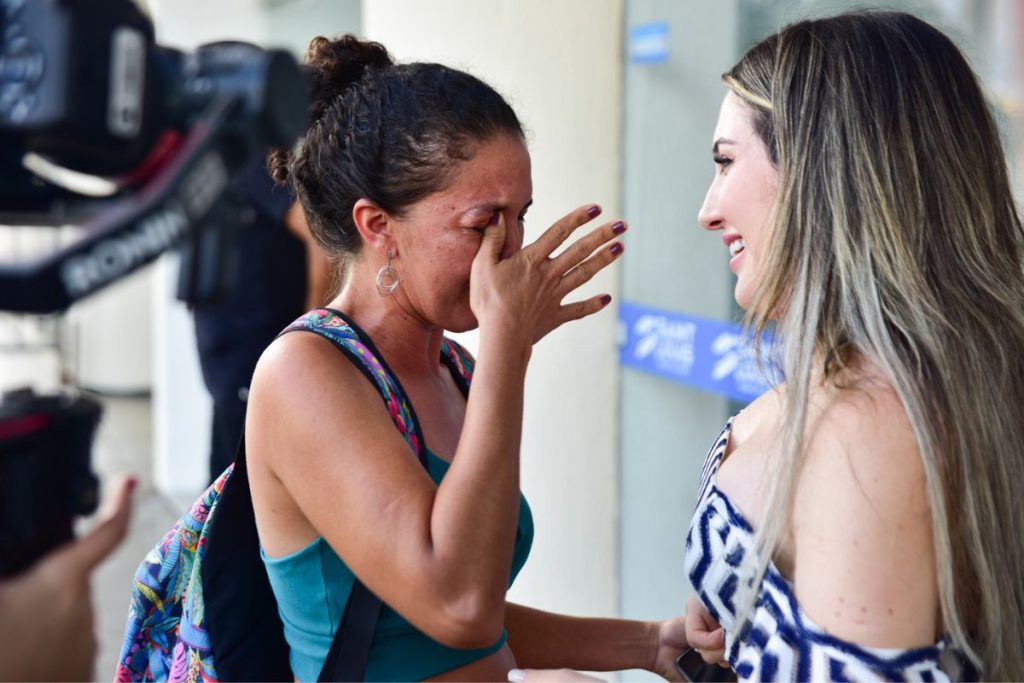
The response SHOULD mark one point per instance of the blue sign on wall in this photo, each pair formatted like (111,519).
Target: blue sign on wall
(708,354)
(648,43)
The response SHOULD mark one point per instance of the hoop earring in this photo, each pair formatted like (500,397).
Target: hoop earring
(387,278)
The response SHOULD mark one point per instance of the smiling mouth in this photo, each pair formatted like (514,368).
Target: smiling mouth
(735,247)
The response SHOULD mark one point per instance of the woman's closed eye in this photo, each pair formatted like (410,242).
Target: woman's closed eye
(722,161)
(494,221)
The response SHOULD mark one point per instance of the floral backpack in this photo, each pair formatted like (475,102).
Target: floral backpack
(202,608)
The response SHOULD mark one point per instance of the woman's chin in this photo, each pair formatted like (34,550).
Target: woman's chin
(742,297)
(462,323)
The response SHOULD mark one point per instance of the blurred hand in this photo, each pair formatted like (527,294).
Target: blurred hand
(46,615)
(522,294)
(704,633)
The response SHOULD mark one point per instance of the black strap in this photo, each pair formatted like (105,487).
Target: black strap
(246,635)
(350,649)
(346,660)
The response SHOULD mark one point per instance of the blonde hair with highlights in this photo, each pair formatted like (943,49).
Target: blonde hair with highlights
(895,238)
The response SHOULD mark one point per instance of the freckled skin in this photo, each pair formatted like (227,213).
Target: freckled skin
(436,240)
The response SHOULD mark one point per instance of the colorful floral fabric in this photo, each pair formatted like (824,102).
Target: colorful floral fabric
(164,638)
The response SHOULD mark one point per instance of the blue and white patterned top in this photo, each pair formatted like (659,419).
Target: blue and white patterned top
(779,642)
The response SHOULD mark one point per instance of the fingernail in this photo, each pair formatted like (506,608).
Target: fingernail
(593,211)
(615,249)
(516,675)
(132,482)
(606,299)
(619,228)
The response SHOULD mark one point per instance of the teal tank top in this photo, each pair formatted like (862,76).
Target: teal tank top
(312,585)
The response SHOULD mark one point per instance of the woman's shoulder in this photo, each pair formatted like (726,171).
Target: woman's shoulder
(764,412)
(299,358)
(863,430)
(304,375)
(864,561)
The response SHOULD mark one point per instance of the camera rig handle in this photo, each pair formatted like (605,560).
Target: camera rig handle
(136,230)
(206,116)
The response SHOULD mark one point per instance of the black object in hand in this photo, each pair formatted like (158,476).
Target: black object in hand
(692,667)
(45,474)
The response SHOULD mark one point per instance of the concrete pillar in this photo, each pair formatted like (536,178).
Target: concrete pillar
(559,65)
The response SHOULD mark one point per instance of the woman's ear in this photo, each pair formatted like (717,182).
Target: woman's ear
(374,224)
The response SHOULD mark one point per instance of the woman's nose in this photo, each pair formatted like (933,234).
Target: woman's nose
(513,237)
(709,216)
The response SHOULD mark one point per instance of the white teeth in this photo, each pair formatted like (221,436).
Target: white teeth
(735,247)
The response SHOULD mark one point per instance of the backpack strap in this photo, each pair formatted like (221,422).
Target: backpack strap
(460,363)
(336,328)
(350,649)
(246,636)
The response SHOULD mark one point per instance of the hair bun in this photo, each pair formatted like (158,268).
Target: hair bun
(277,165)
(331,67)
(334,65)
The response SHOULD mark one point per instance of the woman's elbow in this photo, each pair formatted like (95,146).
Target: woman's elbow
(469,623)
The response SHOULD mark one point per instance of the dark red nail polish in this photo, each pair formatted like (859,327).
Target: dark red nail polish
(593,211)
(606,299)
(619,228)
(616,249)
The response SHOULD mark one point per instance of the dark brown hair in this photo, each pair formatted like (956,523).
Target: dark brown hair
(390,133)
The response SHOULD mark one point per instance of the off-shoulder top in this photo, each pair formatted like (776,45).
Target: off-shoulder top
(779,641)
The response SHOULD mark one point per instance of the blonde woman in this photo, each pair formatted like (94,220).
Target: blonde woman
(862,520)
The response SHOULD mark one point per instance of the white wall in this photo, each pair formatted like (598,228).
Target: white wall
(181,406)
(559,65)
(111,333)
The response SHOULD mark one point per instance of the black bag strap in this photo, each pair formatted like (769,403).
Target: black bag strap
(250,645)
(247,636)
(350,650)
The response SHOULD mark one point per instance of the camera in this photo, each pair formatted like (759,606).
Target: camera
(45,477)
(136,144)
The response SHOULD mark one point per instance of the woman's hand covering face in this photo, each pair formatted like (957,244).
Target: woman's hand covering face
(522,294)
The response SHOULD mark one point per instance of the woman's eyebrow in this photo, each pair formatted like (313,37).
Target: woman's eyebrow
(721,141)
(484,208)
(494,207)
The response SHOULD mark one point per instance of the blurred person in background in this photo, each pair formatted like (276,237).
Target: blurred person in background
(281,273)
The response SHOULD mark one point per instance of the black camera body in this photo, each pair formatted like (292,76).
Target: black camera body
(45,474)
(83,84)
(58,57)
(84,89)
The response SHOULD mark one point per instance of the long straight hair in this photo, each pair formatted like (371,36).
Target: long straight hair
(895,238)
